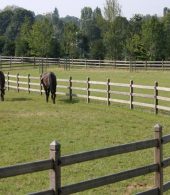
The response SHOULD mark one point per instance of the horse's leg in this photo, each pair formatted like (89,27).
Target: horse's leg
(53,96)
(47,95)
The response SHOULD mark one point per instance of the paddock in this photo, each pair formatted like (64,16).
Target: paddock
(29,125)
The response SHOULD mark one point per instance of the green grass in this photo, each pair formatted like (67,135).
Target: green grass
(29,125)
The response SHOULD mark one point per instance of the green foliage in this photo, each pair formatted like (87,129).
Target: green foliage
(41,37)
(92,36)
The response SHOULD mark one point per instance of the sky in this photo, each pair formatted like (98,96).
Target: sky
(73,7)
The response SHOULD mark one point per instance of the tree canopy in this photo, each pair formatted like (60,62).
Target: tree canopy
(97,34)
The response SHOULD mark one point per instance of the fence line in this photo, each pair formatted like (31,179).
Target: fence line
(10,62)
(56,162)
(130,94)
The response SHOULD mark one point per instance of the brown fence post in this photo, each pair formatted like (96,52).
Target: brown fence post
(131,94)
(18,82)
(108,92)
(159,159)
(88,89)
(55,173)
(8,81)
(70,88)
(28,83)
(156,97)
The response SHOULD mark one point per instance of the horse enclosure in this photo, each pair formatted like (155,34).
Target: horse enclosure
(8,63)
(56,162)
(154,97)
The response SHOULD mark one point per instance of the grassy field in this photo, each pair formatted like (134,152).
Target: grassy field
(29,125)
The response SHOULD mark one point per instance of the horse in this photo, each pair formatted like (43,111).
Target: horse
(2,85)
(49,82)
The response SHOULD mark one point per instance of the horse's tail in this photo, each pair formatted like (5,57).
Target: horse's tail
(53,82)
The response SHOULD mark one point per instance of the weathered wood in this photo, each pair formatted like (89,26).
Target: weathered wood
(21,169)
(29,83)
(163,98)
(166,139)
(155,97)
(163,108)
(120,101)
(106,152)
(154,191)
(70,88)
(18,82)
(108,92)
(94,183)
(88,90)
(143,104)
(97,98)
(143,87)
(55,172)
(131,94)
(159,159)
(166,187)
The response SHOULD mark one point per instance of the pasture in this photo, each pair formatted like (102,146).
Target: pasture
(29,125)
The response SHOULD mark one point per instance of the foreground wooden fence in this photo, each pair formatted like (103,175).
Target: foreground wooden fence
(56,162)
(153,97)
(10,62)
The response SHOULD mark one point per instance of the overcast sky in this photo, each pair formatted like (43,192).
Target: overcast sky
(73,7)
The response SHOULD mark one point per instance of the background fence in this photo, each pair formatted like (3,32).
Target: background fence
(56,162)
(7,62)
(153,97)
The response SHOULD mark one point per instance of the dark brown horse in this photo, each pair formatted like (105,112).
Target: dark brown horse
(49,83)
(2,86)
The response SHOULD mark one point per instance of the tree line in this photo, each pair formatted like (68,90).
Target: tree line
(95,35)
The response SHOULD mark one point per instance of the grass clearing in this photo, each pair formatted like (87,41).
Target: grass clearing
(29,125)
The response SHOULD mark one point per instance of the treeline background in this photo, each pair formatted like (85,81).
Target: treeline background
(96,35)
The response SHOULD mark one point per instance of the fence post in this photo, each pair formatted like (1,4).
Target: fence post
(34,61)
(88,89)
(70,88)
(28,83)
(18,82)
(55,173)
(8,81)
(131,94)
(108,92)
(158,159)
(156,97)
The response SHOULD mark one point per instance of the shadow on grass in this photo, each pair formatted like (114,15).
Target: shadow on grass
(74,101)
(18,99)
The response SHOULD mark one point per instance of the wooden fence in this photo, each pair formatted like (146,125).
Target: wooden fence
(56,162)
(10,62)
(153,97)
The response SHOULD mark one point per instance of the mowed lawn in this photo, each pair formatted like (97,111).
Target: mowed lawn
(28,125)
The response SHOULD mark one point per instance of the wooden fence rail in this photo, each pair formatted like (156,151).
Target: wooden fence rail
(56,162)
(154,97)
(10,62)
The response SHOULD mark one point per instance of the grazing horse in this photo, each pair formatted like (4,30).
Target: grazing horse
(49,83)
(2,85)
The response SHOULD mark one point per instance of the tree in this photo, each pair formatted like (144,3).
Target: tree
(22,41)
(69,41)
(153,38)
(41,37)
(112,9)
(166,23)
(136,49)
